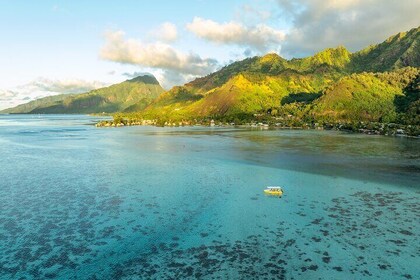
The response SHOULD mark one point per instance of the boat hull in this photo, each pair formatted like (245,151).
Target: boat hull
(273,193)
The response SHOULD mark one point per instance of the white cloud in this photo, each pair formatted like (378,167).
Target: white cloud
(158,56)
(318,24)
(43,87)
(252,14)
(135,74)
(260,37)
(63,86)
(167,32)
(169,78)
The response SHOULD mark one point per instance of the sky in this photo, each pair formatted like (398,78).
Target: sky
(51,47)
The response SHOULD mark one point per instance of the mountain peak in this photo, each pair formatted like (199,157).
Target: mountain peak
(145,79)
(338,56)
(271,57)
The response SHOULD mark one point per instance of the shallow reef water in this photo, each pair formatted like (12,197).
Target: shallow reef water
(79,202)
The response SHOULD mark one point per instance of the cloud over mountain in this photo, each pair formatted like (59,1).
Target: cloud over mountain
(317,24)
(260,37)
(154,55)
(312,25)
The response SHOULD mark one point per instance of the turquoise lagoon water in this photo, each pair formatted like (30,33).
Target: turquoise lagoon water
(79,202)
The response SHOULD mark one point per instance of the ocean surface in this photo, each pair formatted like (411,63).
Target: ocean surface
(80,202)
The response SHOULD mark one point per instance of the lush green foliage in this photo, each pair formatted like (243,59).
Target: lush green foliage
(398,51)
(365,96)
(332,86)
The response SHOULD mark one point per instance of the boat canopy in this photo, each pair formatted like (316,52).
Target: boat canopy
(274,188)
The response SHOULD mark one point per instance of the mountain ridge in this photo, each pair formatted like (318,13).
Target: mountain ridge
(260,84)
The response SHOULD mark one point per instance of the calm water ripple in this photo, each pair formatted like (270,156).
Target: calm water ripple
(78,202)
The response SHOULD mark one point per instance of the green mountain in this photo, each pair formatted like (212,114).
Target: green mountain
(332,85)
(128,96)
(376,97)
(398,51)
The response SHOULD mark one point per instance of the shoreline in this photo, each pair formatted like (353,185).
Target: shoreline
(391,129)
